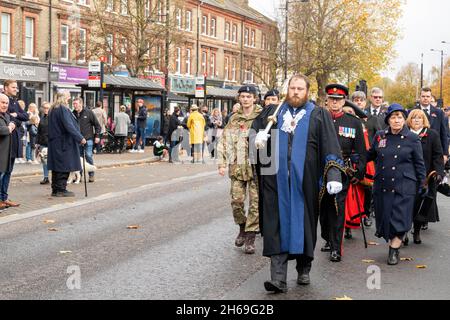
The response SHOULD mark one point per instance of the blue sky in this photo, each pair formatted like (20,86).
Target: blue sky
(425,23)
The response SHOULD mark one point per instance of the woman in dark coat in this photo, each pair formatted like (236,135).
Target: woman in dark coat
(399,177)
(426,210)
(64,138)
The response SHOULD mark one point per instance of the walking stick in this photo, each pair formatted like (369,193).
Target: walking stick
(360,217)
(84,171)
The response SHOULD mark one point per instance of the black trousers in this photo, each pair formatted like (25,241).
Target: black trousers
(120,143)
(332,222)
(279,266)
(59,181)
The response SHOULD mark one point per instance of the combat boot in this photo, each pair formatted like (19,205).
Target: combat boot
(250,243)
(240,240)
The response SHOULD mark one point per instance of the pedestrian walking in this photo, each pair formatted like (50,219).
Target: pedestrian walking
(64,140)
(89,128)
(175,135)
(426,209)
(351,140)
(121,123)
(196,125)
(297,164)
(18,116)
(6,129)
(400,177)
(102,119)
(233,153)
(42,141)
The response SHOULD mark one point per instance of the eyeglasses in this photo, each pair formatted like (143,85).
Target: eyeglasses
(377,97)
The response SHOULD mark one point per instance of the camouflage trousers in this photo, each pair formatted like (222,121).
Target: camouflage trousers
(238,196)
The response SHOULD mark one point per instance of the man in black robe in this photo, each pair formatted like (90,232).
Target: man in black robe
(302,167)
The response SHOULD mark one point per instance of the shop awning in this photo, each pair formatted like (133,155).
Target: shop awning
(172,97)
(129,83)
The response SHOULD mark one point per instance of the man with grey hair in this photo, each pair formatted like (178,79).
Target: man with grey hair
(376,101)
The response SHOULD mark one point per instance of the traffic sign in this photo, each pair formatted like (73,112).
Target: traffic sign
(95,66)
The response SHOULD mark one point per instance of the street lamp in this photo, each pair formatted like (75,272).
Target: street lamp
(286,30)
(442,70)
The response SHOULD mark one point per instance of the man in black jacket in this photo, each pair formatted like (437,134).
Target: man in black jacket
(174,135)
(90,129)
(17,116)
(141,125)
(436,117)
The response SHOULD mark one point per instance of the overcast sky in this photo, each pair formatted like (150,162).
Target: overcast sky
(425,23)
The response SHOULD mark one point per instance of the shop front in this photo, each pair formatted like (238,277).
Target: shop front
(32,79)
(180,88)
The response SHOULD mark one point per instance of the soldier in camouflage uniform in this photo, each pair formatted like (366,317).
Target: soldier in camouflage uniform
(233,151)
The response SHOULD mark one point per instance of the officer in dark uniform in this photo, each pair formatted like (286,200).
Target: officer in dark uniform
(271,97)
(351,138)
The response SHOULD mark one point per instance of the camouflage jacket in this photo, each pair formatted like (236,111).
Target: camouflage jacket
(233,148)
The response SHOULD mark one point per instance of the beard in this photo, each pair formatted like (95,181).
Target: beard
(296,102)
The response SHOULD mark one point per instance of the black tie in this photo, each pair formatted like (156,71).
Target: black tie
(374,112)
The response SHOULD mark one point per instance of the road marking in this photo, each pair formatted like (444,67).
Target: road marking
(103,197)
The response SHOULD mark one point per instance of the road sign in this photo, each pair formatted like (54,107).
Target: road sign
(95,66)
(200,87)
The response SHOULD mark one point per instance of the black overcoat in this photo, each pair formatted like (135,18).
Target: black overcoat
(64,138)
(399,172)
(322,142)
(16,137)
(5,144)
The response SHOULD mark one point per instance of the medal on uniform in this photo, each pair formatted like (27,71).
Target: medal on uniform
(382,143)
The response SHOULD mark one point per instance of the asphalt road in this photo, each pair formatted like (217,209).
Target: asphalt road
(183,249)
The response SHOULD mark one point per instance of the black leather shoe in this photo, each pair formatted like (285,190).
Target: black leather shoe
(326,247)
(275,286)
(303,279)
(393,256)
(368,222)
(348,234)
(416,236)
(406,241)
(335,256)
(63,194)
(45,181)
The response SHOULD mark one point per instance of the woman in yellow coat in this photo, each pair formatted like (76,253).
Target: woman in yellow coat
(196,125)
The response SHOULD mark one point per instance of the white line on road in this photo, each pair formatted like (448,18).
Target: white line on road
(103,197)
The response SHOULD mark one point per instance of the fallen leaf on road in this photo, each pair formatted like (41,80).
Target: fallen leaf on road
(52,229)
(368,261)
(421,266)
(132,227)
(65,252)
(406,259)
(342,298)
(49,221)
(373,243)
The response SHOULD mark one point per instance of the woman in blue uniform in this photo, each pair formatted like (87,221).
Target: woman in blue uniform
(399,177)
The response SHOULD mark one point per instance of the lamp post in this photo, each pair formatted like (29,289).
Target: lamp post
(442,69)
(421,72)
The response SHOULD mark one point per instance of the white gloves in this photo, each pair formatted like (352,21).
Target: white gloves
(261,139)
(334,187)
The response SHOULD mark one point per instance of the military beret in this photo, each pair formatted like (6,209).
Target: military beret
(248,89)
(336,91)
(272,93)
(358,112)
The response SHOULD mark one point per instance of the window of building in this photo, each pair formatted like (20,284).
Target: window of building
(109,49)
(188,61)
(124,7)
(159,55)
(205,25)
(83,2)
(227,31)
(109,5)
(5,27)
(263,42)
(233,69)
(252,39)
(234,33)
(178,61)
(29,37)
(64,42)
(178,18)
(160,11)
(188,21)
(213,65)
(212,32)
(82,46)
(147,9)
(204,63)
(246,35)
(226,63)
